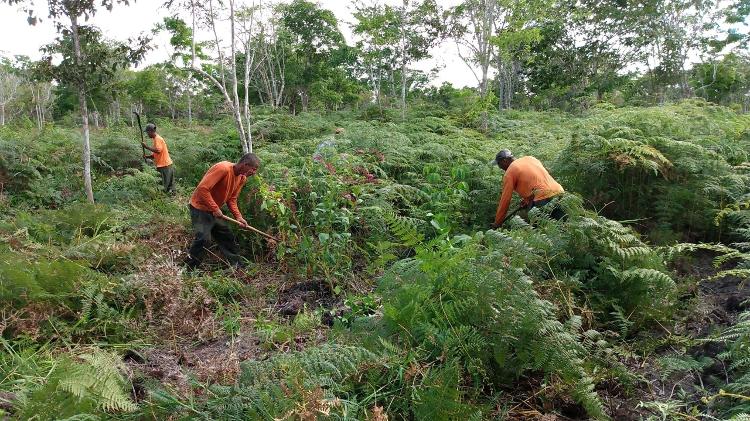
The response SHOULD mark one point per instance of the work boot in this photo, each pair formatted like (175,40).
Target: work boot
(191,264)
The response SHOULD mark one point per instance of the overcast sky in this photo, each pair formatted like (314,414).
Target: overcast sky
(18,38)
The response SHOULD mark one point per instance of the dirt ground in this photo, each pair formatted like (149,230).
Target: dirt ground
(217,359)
(709,305)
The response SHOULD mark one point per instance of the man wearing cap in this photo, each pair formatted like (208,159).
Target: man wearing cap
(161,157)
(527,177)
(221,184)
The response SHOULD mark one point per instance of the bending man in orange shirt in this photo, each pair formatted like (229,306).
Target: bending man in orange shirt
(221,184)
(161,157)
(527,177)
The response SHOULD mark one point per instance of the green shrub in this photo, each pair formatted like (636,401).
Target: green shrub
(283,126)
(296,384)
(54,282)
(61,226)
(647,165)
(90,384)
(37,170)
(136,186)
(465,305)
(118,151)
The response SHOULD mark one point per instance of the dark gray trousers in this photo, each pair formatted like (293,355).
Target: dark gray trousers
(556,212)
(167,178)
(206,226)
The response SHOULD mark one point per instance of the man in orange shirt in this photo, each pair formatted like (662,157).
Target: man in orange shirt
(161,157)
(527,177)
(221,184)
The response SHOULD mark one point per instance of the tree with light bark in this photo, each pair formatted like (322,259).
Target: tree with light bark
(77,63)
(10,86)
(494,32)
(219,70)
(393,38)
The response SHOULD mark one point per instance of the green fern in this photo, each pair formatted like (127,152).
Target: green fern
(285,383)
(93,386)
(405,229)
(680,364)
(460,307)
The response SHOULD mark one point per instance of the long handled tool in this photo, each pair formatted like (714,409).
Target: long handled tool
(253,229)
(515,211)
(510,215)
(140,129)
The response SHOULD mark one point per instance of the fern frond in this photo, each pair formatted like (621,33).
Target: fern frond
(404,228)
(736,273)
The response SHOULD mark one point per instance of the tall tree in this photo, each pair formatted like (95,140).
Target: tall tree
(725,81)
(181,41)
(377,28)
(736,17)
(573,57)
(10,84)
(77,65)
(421,27)
(270,51)
(660,35)
(314,39)
(37,92)
(473,24)
(515,36)
(214,15)
(392,38)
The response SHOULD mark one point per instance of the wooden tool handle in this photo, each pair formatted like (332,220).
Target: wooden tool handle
(140,129)
(253,229)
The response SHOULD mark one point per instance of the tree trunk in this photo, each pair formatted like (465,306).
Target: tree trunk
(192,64)
(39,117)
(403,60)
(190,100)
(392,79)
(84,114)
(35,92)
(248,116)
(2,114)
(235,96)
(230,102)
(403,89)
(483,94)
(216,40)
(86,144)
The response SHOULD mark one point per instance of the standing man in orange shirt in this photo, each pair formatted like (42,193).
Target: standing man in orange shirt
(161,157)
(527,177)
(221,184)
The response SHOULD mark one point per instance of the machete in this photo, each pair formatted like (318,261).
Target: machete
(140,129)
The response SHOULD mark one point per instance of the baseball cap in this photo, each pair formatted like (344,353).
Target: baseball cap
(503,154)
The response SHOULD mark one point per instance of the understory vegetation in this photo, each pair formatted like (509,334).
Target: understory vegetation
(388,296)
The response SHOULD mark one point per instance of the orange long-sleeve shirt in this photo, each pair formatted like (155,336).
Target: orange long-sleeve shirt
(527,177)
(218,186)
(161,156)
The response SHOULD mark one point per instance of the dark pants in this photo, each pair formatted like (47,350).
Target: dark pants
(556,213)
(206,226)
(167,178)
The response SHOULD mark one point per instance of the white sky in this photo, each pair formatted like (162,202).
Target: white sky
(18,38)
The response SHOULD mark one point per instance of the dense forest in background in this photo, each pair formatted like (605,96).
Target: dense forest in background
(387,297)
(537,55)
